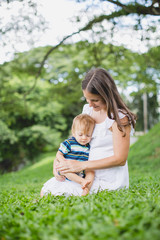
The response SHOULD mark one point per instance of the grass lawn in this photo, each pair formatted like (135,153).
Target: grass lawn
(121,215)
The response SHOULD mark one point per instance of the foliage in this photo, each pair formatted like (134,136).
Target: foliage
(107,17)
(133,72)
(150,153)
(38,138)
(119,9)
(34,119)
(6,134)
(24,24)
(53,99)
(146,79)
(40,93)
(124,214)
(20,147)
(7,138)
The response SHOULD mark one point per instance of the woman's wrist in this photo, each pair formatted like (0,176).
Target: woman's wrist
(86,165)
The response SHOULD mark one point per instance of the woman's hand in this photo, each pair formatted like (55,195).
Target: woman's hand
(55,173)
(59,177)
(70,166)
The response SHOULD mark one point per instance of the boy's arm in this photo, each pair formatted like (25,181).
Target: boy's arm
(89,175)
(60,157)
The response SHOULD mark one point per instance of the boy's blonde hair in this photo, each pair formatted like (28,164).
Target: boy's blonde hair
(83,120)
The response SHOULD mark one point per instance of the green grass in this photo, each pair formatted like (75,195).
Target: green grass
(121,215)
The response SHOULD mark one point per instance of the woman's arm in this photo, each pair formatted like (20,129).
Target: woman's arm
(120,146)
(55,171)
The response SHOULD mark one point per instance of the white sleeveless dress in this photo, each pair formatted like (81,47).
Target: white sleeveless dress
(105,179)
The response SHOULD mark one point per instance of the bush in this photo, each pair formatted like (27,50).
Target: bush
(6,134)
(8,145)
(18,148)
(38,139)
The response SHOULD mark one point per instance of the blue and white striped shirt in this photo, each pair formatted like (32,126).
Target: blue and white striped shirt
(72,150)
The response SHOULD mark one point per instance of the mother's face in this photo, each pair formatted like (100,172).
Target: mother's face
(95,101)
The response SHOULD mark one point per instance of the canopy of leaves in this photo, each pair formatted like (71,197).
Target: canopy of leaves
(37,112)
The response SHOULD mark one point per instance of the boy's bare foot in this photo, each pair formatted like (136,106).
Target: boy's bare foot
(85,183)
(85,191)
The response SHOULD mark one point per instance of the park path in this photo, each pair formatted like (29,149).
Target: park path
(133,139)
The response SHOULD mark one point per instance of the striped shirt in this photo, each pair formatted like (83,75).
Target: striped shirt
(72,150)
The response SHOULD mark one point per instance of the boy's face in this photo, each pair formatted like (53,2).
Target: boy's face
(81,136)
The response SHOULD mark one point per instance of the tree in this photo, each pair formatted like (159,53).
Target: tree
(20,23)
(130,13)
(35,116)
(29,125)
(136,72)
(146,82)
(120,14)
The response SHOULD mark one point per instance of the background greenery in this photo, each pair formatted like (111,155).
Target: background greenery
(124,214)
(40,89)
(40,93)
(36,113)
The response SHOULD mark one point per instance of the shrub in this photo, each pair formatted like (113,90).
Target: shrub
(18,148)
(38,138)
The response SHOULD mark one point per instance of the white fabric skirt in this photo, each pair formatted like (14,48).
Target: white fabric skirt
(69,188)
(57,188)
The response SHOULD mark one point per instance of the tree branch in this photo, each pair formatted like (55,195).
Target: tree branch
(137,8)
(45,58)
(124,11)
(117,3)
(87,27)
(104,17)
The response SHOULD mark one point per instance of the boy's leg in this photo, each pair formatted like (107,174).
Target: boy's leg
(74,177)
(90,177)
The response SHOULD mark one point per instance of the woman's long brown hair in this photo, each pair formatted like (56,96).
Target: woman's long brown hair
(98,81)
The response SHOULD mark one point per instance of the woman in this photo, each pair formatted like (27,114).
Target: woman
(110,140)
